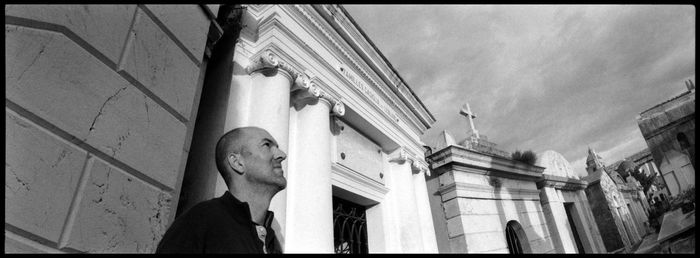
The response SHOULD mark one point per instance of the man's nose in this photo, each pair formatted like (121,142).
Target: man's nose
(280,155)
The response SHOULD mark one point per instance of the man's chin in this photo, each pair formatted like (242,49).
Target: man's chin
(281,183)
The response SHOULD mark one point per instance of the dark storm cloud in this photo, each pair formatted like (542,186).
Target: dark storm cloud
(539,77)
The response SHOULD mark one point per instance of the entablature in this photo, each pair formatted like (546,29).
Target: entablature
(562,183)
(305,45)
(348,29)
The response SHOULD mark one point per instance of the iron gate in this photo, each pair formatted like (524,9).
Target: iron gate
(349,227)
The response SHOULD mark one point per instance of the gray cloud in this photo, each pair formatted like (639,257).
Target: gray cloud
(539,77)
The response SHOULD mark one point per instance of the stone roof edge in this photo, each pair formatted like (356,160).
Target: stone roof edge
(359,29)
(641,114)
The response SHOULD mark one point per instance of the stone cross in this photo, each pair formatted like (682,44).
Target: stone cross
(466,111)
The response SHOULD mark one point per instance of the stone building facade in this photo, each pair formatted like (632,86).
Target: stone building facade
(669,130)
(111,110)
(484,202)
(612,212)
(568,214)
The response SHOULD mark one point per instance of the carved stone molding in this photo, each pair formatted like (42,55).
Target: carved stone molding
(304,88)
(418,166)
(399,156)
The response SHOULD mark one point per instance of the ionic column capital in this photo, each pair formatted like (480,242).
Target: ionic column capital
(306,91)
(269,60)
(304,88)
(418,166)
(399,156)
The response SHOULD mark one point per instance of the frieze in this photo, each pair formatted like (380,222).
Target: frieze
(361,86)
(563,183)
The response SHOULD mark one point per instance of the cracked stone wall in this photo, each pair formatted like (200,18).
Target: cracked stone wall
(100,106)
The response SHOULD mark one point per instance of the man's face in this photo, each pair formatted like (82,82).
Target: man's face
(263,161)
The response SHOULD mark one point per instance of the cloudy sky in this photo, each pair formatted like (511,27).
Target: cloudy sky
(556,78)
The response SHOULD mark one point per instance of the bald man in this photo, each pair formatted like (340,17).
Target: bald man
(250,162)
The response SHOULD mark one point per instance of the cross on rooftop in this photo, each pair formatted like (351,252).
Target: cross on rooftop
(467,112)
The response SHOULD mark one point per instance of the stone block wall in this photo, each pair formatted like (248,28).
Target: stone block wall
(476,214)
(100,106)
(603,216)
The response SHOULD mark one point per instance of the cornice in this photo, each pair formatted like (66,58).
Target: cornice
(562,183)
(387,73)
(459,158)
(371,188)
(487,192)
(350,60)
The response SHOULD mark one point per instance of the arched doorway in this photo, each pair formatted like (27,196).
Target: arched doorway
(516,238)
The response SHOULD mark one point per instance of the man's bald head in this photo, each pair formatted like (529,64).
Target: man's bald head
(231,142)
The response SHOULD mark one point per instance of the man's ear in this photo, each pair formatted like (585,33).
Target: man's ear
(236,162)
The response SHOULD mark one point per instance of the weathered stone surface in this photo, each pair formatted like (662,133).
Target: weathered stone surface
(483,223)
(159,64)
(486,241)
(541,245)
(41,175)
(457,244)
(188,23)
(452,208)
(455,227)
(52,77)
(119,213)
(359,153)
(15,244)
(104,27)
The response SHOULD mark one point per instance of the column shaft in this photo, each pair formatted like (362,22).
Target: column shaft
(405,200)
(424,215)
(310,206)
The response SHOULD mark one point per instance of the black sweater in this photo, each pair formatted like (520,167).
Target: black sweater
(219,225)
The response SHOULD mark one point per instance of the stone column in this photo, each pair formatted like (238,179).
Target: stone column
(259,96)
(310,206)
(423,207)
(403,195)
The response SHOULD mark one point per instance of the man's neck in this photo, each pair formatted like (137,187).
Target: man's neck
(257,203)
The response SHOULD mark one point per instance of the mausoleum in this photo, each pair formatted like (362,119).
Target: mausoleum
(113,112)
(482,201)
(565,204)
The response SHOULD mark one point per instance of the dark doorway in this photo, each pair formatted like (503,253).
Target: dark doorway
(349,227)
(569,206)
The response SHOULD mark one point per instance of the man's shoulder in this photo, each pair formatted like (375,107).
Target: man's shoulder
(208,208)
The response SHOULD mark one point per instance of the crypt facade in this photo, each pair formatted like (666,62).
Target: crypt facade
(482,201)
(350,125)
(669,131)
(570,220)
(612,206)
(113,111)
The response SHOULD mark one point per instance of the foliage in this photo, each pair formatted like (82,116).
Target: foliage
(527,156)
(685,201)
(644,179)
